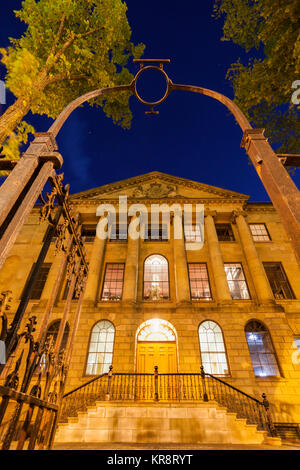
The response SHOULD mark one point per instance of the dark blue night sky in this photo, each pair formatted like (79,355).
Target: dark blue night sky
(193,136)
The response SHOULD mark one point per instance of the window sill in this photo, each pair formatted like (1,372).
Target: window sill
(242,300)
(275,378)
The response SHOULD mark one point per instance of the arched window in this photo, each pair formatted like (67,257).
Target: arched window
(100,348)
(261,349)
(212,348)
(156,278)
(53,331)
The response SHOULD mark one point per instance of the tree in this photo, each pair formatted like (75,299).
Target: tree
(70,47)
(263,87)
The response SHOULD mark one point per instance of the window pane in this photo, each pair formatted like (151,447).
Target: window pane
(259,232)
(157,232)
(212,349)
(156,278)
(278,281)
(192,233)
(261,350)
(100,348)
(236,281)
(199,282)
(113,282)
(224,232)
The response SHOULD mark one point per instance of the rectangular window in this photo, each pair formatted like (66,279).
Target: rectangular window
(157,232)
(278,281)
(88,234)
(199,282)
(224,232)
(113,281)
(40,282)
(192,233)
(259,232)
(118,233)
(236,281)
(297,343)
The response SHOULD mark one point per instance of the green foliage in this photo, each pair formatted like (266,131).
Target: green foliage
(71,47)
(12,145)
(263,88)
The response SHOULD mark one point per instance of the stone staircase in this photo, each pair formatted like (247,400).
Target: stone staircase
(161,423)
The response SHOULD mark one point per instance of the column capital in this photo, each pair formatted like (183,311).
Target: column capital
(236,213)
(213,214)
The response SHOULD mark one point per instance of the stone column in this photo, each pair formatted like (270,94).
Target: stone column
(95,268)
(131,269)
(180,264)
(262,287)
(216,258)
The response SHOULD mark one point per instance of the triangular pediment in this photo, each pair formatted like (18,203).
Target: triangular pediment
(156,185)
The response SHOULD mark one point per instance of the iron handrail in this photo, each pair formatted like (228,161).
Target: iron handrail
(164,374)
(84,385)
(198,386)
(234,388)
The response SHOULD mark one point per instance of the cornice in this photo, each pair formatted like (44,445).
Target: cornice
(149,201)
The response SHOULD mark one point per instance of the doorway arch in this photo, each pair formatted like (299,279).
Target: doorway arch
(156,345)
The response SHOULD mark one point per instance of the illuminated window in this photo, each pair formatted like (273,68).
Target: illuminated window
(199,282)
(261,349)
(156,278)
(224,232)
(156,330)
(259,232)
(113,281)
(212,348)
(297,343)
(101,348)
(278,281)
(236,281)
(192,233)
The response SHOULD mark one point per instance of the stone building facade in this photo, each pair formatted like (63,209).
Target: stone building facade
(233,305)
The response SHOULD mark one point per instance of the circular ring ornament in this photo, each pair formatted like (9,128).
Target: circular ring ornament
(151,67)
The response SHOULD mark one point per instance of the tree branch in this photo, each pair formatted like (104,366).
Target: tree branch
(57,37)
(63,76)
(72,39)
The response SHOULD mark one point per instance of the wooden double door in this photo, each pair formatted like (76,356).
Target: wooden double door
(161,354)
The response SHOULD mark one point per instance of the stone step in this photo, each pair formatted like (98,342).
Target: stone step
(160,423)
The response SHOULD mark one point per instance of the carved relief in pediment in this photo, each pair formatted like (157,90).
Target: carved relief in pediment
(155,191)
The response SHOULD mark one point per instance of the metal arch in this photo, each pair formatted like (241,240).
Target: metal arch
(145,65)
(280,187)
